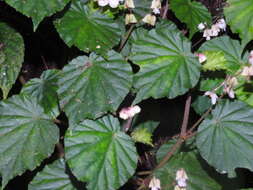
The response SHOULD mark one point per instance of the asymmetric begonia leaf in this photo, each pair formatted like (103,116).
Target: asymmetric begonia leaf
(192,13)
(230,49)
(167,66)
(88,30)
(38,9)
(52,177)
(27,136)
(226,139)
(100,154)
(239,15)
(11,57)
(45,89)
(92,86)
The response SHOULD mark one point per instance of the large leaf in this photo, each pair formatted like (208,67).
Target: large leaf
(167,66)
(27,136)
(11,57)
(92,86)
(44,88)
(191,12)
(88,30)
(230,49)
(99,153)
(239,15)
(52,177)
(226,139)
(38,9)
(200,175)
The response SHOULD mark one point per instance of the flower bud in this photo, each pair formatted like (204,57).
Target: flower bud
(129,4)
(149,19)
(130,19)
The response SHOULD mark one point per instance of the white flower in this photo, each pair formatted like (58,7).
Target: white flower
(112,3)
(202,57)
(201,26)
(129,112)
(221,23)
(150,19)
(251,57)
(129,4)
(156,11)
(247,71)
(207,34)
(212,95)
(129,19)
(181,178)
(215,30)
(154,184)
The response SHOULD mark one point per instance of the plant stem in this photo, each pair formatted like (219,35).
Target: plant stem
(124,40)
(127,125)
(186,117)
(165,9)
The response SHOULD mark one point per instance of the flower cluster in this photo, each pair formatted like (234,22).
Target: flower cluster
(150,18)
(220,25)
(129,112)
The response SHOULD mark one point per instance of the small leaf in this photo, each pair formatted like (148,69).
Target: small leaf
(167,66)
(38,9)
(211,84)
(27,136)
(44,88)
(52,177)
(215,61)
(225,140)
(100,154)
(92,86)
(11,57)
(201,104)
(238,14)
(231,49)
(149,125)
(88,30)
(192,13)
(142,136)
(245,93)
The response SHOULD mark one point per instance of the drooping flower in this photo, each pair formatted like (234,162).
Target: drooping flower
(129,4)
(201,26)
(149,19)
(129,112)
(130,19)
(181,178)
(221,23)
(154,184)
(111,3)
(212,95)
(229,86)
(156,6)
(247,71)
(202,57)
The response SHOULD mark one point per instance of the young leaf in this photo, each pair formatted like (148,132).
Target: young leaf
(149,125)
(167,66)
(44,88)
(142,136)
(225,140)
(238,14)
(192,13)
(88,30)
(52,177)
(100,154)
(11,57)
(231,49)
(245,93)
(92,86)
(27,136)
(38,9)
(201,104)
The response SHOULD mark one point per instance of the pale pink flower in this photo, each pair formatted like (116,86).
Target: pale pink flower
(154,184)
(111,3)
(129,112)
(201,26)
(247,71)
(212,95)
(251,57)
(181,178)
(202,57)
(221,23)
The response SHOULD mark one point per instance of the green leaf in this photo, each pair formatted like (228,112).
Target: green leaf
(231,49)
(11,57)
(38,9)
(201,104)
(149,125)
(210,84)
(192,13)
(88,30)
(245,93)
(142,136)
(100,154)
(141,8)
(238,15)
(44,88)
(200,175)
(27,136)
(52,177)
(225,140)
(92,86)
(215,60)
(167,66)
